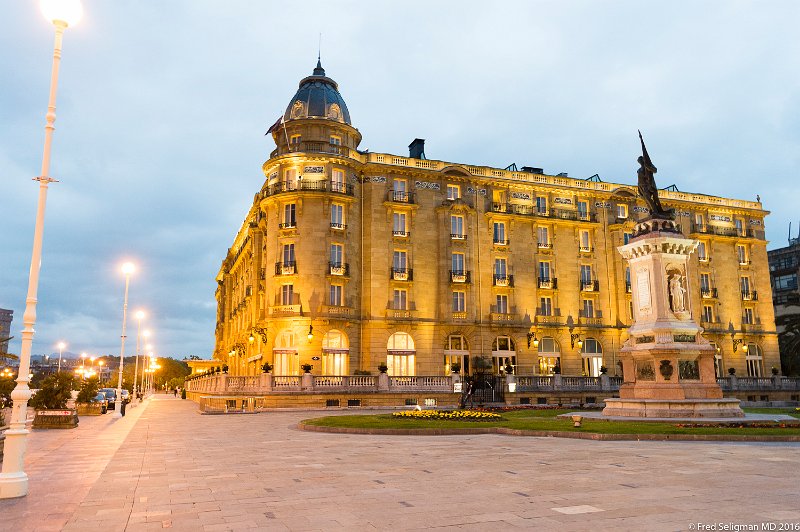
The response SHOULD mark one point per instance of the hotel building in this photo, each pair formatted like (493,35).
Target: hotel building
(348,260)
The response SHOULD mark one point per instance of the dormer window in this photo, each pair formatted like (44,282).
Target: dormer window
(453,192)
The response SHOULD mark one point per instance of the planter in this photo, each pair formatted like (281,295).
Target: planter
(90,409)
(56,419)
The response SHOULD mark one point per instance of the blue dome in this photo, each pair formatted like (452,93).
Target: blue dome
(318,97)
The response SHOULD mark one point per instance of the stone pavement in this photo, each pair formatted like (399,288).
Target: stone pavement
(180,470)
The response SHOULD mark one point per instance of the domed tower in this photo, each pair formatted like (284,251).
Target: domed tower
(311,235)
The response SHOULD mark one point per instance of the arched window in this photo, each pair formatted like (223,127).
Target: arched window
(456,351)
(335,353)
(285,357)
(549,356)
(755,360)
(592,355)
(400,356)
(504,353)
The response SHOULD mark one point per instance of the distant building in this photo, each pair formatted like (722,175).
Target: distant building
(784,269)
(5,328)
(348,260)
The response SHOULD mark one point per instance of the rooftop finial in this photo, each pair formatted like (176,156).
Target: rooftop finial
(319,71)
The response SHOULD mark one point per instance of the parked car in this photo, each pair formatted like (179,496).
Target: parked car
(111,396)
(100,399)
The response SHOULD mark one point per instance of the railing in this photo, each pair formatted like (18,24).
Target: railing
(553,383)
(549,283)
(337,310)
(400,197)
(245,383)
(283,382)
(430,383)
(545,245)
(338,226)
(708,293)
(458,236)
(548,316)
(749,296)
(590,286)
(401,274)
(592,319)
(285,268)
(628,287)
(288,225)
(303,185)
(401,233)
(501,242)
(530,210)
(502,280)
(285,310)
(315,147)
(339,268)
(460,276)
(727,231)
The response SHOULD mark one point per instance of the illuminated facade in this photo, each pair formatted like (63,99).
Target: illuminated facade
(348,260)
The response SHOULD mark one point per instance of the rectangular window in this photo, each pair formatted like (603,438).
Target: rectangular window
(453,192)
(699,220)
(705,282)
(336,254)
(583,210)
(400,299)
(457,262)
(337,181)
(337,141)
(744,283)
(739,223)
(544,270)
(399,185)
(399,260)
(627,278)
(290,179)
(337,216)
(708,313)
(586,274)
(622,211)
(586,241)
(545,306)
(626,237)
(543,236)
(588,308)
(500,267)
(289,215)
(295,139)
(336,295)
(399,224)
(287,294)
(541,204)
(288,254)
(456,226)
(499,233)
(785,282)
(502,304)
(702,252)
(747,316)
(741,253)
(459,301)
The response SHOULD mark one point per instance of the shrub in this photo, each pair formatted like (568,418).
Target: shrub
(55,392)
(88,390)
(183,393)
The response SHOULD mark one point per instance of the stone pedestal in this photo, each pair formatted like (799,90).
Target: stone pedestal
(668,367)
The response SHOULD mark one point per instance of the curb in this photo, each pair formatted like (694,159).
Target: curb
(549,434)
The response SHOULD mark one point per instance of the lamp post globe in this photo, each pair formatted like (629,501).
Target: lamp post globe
(67,12)
(61,346)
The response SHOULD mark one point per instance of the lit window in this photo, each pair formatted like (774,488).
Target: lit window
(622,211)
(399,224)
(453,192)
(336,140)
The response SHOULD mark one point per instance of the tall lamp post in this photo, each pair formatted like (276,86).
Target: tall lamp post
(13,479)
(61,346)
(127,269)
(139,318)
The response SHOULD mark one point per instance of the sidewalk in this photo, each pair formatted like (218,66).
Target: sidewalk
(183,471)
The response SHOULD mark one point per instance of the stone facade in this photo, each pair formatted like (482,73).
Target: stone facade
(348,260)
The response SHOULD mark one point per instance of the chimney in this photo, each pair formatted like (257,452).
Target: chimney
(416,150)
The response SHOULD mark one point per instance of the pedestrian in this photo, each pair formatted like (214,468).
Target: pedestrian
(175,392)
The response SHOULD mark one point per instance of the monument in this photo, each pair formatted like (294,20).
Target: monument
(667,365)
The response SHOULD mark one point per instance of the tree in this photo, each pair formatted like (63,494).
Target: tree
(6,387)
(55,392)
(789,341)
(88,390)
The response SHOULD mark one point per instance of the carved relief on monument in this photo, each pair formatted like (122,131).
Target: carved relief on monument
(644,301)
(645,370)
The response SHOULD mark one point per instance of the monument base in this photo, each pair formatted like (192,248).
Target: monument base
(666,408)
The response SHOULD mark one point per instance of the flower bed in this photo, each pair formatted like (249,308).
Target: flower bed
(459,415)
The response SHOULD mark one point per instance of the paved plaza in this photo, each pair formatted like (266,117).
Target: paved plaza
(165,466)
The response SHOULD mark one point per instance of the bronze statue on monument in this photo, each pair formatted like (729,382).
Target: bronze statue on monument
(647,185)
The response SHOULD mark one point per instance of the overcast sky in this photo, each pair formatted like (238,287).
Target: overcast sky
(163,105)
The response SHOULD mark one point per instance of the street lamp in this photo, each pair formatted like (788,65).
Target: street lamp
(139,317)
(61,346)
(127,269)
(13,479)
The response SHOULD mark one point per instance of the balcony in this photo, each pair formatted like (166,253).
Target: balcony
(401,274)
(501,241)
(394,313)
(337,311)
(502,314)
(751,324)
(530,210)
(314,147)
(285,268)
(590,319)
(705,259)
(744,262)
(460,276)
(285,310)
(305,185)
(459,315)
(545,245)
(590,286)
(708,293)
(338,226)
(749,296)
(401,233)
(339,269)
(288,225)
(502,280)
(457,236)
(707,229)
(547,283)
(548,316)
(585,249)
(400,197)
